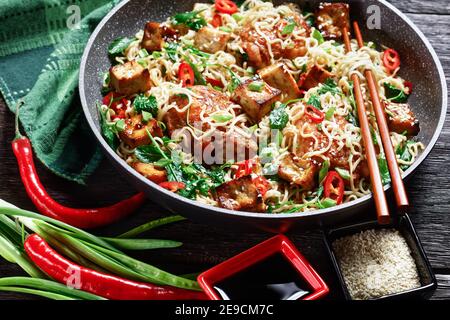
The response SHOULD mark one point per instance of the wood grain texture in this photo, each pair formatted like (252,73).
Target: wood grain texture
(205,246)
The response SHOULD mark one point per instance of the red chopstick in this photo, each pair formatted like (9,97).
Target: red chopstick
(401,197)
(382,208)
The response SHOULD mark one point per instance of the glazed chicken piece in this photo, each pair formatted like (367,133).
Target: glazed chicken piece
(240,195)
(298,171)
(256,103)
(211,40)
(331,18)
(135,132)
(279,77)
(256,46)
(401,119)
(151,172)
(155,36)
(129,78)
(315,76)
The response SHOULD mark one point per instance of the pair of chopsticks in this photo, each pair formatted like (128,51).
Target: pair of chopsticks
(371,156)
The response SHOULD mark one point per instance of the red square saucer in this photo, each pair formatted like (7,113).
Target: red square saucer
(279,244)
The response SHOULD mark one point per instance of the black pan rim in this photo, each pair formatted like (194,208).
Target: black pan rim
(266,216)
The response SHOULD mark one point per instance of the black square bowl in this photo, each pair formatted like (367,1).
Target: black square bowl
(406,228)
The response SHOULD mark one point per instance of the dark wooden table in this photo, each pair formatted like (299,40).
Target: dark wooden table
(205,246)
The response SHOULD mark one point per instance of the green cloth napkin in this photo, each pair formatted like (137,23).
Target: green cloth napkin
(40,53)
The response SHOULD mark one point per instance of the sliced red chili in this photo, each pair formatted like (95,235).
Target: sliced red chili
(314,114)
(109,97)
(391,59)
(409,85)
(186,75)
(261,184)
(216,20)
(302,79)
(173,186)
(244,169)
(215,82)
(333,187)
(104,285)
(226,6)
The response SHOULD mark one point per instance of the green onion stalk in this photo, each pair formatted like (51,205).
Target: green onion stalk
(103,254)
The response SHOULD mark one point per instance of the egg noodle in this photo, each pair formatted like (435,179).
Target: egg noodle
(227,68)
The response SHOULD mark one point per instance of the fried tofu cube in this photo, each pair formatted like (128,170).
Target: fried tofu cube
(151,172)
(279,77)
(156,35)
(135,132)
(401,119)
(153,39)
(256,103)
(240,195)
(211,40)
(331,18)
(315,76)
(129,78)
(298,171)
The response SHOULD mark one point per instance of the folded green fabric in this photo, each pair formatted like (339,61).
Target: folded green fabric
(41,43)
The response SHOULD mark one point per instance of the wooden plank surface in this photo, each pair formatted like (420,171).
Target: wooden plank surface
(205,246)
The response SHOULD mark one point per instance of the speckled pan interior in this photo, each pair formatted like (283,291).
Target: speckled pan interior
(420,65)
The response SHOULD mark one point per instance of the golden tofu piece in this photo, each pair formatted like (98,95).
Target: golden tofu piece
(150,171)
(299,172)
(401,119)
(129,78)
(279,77)
(211,40)
(135,132)
(331,18)
(156,35)
(257,103)
(240,195)
(315,76)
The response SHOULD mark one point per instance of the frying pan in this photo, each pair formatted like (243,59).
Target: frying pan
(420,65)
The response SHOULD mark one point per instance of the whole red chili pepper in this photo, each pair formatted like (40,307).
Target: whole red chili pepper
(81,218)
(101,284)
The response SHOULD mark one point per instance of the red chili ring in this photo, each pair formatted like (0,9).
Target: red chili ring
(226,6)
(314,114)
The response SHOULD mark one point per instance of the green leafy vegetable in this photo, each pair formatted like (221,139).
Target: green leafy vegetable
(330,112)
(147,154)
(146,116)
(221,118)
(318,36)
(329,86)
(225,29)
(403,152)
(384,170)
(345,174)
(235,81)
(394,94)
(172,51)
(324,170)
(108,132)
(256,86)
(279,118)
(118,46)
(120,125)
(144,103)
(326,203)
(199,79)
(191,19)
(315,102)
(288,29)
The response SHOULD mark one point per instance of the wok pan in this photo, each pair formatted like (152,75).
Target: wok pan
(420,65)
